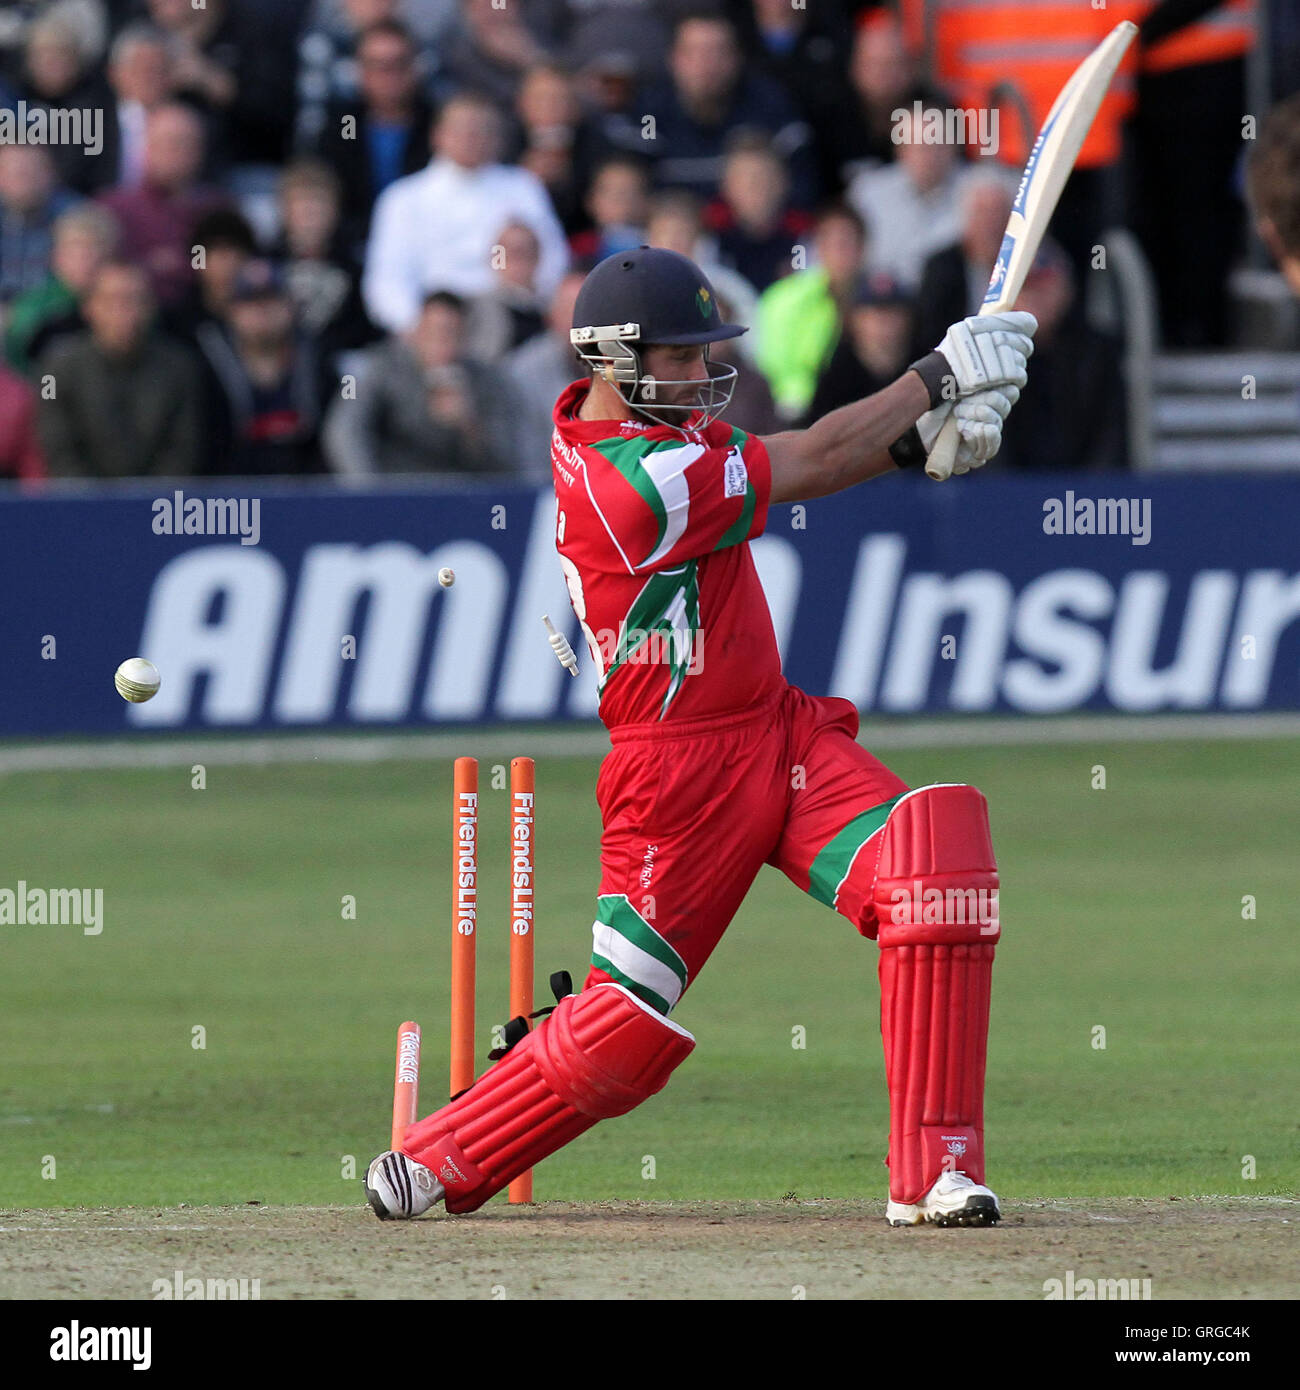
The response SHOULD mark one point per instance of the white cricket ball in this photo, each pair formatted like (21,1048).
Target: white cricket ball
(137,680)
(446,578)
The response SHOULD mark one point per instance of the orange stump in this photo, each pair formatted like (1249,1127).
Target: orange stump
(464,922)
(522,845)
(406,1082)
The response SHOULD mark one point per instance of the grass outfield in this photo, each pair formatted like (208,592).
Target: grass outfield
(1122,910)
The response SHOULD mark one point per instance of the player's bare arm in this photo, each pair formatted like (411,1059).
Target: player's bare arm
(847,446)
(974,376)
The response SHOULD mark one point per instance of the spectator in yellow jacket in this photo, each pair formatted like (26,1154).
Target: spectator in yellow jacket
(800,316)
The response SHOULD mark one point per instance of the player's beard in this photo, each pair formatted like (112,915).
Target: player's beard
(680,404)
(684,419)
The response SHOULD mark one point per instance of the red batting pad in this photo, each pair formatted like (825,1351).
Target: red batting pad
(936,964)
(600,1053)
(934,1010)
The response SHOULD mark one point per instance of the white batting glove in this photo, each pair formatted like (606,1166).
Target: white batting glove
(979,425)
(989,351)
(928,427)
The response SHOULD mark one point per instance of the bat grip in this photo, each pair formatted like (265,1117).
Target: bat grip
(938,464)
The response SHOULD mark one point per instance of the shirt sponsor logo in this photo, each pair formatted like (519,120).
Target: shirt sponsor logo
(562,449)
(736,477)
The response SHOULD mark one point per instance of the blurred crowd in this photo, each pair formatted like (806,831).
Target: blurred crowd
(346,236)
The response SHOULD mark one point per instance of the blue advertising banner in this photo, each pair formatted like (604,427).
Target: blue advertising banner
(292,608)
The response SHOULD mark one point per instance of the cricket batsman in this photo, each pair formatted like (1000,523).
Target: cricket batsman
(718,765)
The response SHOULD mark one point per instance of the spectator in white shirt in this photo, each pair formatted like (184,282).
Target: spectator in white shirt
(437,230)
(911,207)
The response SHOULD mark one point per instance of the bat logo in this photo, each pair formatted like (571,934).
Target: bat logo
(999,275)
(1031,168)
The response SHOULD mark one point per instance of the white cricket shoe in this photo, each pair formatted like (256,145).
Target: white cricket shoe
(398,1188)
(953,1201)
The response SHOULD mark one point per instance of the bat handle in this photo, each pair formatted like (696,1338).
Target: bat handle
(944,454)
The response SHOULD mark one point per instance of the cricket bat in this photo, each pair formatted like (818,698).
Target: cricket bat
(1049,165)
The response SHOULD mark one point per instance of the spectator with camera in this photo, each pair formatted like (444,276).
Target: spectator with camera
(422,405)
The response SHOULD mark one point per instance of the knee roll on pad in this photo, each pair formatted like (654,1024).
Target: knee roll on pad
(936,876)
(935,897)
(599,1054)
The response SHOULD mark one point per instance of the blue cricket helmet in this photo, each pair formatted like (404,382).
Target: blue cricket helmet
(646,297)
